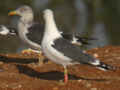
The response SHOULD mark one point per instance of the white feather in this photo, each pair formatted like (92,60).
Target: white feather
(51,34)
(96,62)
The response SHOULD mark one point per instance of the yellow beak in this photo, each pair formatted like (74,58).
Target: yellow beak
(12,13)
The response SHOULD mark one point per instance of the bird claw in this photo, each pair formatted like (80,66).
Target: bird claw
(29,52)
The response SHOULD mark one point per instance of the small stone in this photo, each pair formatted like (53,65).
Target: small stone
(79,80)
(6,85)
(95,55)
(88,85)
(107,51)
(84,51)
(1,63)
(95,48)
(55,88)
(1,70)
(19,86)
(93,89)
(61,82)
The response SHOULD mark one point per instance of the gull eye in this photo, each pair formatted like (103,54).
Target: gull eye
(22,10)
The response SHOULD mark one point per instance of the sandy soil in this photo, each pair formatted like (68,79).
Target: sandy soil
(21,72)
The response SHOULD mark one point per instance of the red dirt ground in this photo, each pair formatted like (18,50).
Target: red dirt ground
(21,72)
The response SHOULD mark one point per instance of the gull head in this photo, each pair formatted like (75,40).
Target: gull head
(48,13)
(22,11)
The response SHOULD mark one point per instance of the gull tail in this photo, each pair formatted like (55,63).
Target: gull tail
(77,39)
(103,66)
(83,40)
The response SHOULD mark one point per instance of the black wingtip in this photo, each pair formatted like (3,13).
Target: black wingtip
(106,67)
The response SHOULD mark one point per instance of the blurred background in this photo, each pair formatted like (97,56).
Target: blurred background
(98,19)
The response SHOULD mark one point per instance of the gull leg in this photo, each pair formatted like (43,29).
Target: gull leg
(41,59)
(29,51)
(38,52)
(65,75)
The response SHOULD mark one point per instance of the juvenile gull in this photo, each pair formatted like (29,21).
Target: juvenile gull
(61,51)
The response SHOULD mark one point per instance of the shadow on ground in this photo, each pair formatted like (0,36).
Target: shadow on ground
(52,75)
(17,60)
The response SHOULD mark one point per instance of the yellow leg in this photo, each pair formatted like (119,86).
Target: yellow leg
(39,53)
(40,59)
(29,51)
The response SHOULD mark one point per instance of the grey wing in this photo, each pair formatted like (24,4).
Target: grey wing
(72,51)
(36,33)
(67,36)
(80,40)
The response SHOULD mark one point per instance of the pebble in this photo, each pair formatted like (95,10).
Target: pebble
(107,51)
(95,55)
(1,63)
(79,80)
(1,70)
(93,89)
(84,51)
(19,86)
(55,88)
(88,85)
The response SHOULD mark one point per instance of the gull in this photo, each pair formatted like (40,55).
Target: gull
(62,51)
(31,32)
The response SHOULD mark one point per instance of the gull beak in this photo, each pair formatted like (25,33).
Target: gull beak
(12,13)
